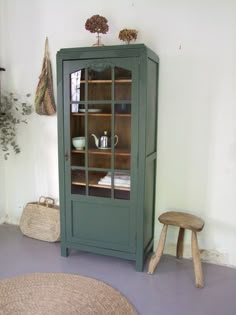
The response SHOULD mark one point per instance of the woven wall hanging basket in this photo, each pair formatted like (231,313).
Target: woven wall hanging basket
(41,220)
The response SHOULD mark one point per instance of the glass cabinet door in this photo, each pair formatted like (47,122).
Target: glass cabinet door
(100,131)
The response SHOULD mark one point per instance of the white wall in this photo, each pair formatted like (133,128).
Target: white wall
(196,139)
(2,167)
(2,192)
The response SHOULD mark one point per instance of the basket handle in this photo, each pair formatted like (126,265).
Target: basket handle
(46,200)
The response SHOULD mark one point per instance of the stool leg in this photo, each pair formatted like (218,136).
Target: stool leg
(159,251)
(180,244)
(197,262)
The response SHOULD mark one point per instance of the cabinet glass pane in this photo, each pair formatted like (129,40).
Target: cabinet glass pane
(96,186)
(99,82)
(123,148)
(77,125)
(99,124)
(122,183)
(99,128)
(77,88)
(122,194)
(78,158)
(123,79)
(78,182)
(99,71)
(96,159)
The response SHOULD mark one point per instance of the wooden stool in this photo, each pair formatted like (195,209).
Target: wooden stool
(183,221)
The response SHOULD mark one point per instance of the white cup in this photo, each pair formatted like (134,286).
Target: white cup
(78,142)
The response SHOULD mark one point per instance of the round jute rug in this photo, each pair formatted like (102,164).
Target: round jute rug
(60,294)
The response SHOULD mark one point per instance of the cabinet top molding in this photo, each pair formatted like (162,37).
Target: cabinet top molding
(127,50)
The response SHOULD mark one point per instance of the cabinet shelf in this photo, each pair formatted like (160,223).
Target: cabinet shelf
(91,184)
(106,81)
(119,152)
(101,114)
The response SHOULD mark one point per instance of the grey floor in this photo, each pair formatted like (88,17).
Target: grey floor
(170,291)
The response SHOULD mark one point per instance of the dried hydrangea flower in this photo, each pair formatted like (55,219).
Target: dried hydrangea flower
(128,34)
(97,24)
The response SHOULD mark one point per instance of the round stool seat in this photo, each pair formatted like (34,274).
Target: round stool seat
(183,220)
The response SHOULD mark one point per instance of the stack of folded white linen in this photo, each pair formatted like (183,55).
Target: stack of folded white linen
(120,179)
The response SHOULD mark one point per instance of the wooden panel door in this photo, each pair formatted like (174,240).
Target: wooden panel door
(100,105)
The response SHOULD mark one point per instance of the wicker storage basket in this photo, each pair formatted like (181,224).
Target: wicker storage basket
(41,220)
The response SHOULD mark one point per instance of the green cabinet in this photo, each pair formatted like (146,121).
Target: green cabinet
(107,141)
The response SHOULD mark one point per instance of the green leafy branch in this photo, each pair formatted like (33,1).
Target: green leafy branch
(12,113)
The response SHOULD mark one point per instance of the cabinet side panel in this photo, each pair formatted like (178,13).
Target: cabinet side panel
(151,147)
(149,200)
(151,118)
(60,129)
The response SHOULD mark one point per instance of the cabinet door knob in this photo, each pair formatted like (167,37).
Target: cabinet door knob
(66,156)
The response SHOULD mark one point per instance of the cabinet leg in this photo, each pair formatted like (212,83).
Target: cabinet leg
(157,256)
(64,251)
(139,263)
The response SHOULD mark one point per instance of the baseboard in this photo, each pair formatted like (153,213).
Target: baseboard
(207,255)
(11,221)
(3,219)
